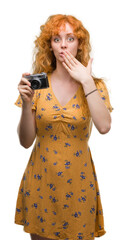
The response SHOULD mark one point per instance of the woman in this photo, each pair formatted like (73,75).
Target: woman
(59,196)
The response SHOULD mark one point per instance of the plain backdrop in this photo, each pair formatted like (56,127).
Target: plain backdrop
(106,22)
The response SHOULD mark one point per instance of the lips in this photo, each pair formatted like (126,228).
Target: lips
(61,54)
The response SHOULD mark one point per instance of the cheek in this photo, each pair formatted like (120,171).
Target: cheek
(74,49)
(53,46)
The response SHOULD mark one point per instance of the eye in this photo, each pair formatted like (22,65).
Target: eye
(56,39)
(70,39)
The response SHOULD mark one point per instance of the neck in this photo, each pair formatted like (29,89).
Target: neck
(61,73)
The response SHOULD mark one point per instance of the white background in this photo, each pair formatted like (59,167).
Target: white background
(107,23)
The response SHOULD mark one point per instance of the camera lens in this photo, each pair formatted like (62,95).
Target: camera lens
(35,84)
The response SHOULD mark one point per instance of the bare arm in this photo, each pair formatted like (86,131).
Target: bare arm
(99,112)
(27,125)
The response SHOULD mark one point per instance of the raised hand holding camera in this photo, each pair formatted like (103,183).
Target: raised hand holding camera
(38,81)
(25,89)
(29,83)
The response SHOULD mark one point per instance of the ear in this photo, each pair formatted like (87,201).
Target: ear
(51,49)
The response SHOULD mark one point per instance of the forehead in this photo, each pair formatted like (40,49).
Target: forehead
(66,28)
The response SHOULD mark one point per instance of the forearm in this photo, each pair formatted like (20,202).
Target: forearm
(27,126)
(99,113)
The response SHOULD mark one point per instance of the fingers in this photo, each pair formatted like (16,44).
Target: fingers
(25,91)
(25,94)
(24,88)
(25,74)
(24,81)
(71,57)
(89,66)
(67,62)
(65,65)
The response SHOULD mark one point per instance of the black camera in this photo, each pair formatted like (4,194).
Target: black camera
(38,81)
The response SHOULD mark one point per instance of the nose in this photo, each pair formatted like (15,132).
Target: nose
(63,44)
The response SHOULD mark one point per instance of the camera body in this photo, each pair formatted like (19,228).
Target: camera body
(38,81)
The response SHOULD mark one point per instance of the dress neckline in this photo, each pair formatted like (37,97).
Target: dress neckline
(68,103)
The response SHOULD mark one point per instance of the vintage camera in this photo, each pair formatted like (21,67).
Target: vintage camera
(38,81)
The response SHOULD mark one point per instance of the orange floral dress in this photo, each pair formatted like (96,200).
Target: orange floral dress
(59,196)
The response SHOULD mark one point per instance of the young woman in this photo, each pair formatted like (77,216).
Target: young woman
(59,195)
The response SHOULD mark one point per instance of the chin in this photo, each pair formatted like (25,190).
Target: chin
(60,59)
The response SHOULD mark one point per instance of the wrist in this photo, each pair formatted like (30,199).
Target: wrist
(88,85)
(87,81)
(26,105)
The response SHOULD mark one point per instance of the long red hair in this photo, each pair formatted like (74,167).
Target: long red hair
(44,59)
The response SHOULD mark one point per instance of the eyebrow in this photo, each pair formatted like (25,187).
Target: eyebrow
(66,34)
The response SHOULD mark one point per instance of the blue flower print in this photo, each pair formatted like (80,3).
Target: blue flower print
(39,116)
(43,158)
(92,210)
(82,176)
(77,214)
(18,210)
(82,199)
(26,222)
(69,195)
(54,137)
(76,106)
(74,118)
(34,205)
(49,97)
(69,180)
(56,108)
(60,174)
(41,197)
(67,164)
(26,209)
(49,127)
(52,186)
(54,213)
(67,145)
(65,206)
(72,127)
(43,109)
(41,219)
(37,176)
(54,223)
(78,153)
(27,193)
(103,98)
(80,236)
(65,225)
(57,234)
(92,234)
(92,186)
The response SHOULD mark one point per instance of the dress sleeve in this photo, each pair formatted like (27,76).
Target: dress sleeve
(103,91)
(34,100)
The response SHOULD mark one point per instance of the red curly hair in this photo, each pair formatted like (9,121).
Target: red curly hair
(44,59)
